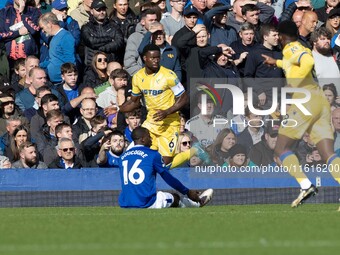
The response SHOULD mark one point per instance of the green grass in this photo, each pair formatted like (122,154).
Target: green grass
(257,229)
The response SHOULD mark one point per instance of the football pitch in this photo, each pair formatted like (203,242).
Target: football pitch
(256,229)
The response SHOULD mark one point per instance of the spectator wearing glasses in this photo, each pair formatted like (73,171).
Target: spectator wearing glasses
(88,110)
(333,21)
(67,156)
(184,143)
(169,55)
(96,74)
(102,34)
(324,11)
(28,157)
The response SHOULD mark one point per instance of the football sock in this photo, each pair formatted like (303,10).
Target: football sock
(291,162)
(186,202)
(333,163)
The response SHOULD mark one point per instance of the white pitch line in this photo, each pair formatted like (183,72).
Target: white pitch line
(262,243)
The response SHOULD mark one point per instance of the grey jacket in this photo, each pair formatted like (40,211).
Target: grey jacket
(39,165)
(132,61)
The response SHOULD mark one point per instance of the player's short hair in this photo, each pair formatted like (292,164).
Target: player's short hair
(289,29)
(48,98)
(249,8)
(119,73)
(138,133)
(150,47)
(68,68)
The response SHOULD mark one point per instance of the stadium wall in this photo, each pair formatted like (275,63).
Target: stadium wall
(101,187)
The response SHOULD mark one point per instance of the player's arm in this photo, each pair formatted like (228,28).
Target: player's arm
(306,64)
(181,100)
(131,104)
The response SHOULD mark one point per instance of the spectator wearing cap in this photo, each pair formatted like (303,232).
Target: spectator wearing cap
(262,153)
(175,21)
(333,21)
(190,14)
(8,109)
(252,134)
(61,47)
(60,8)
(169,54)
(325,66)
(102,34)
(323,12)
(82,12)
(216,23)
(238,157)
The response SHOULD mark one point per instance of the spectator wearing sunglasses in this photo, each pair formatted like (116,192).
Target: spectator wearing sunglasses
(96,74)
(67,156)
(184,143)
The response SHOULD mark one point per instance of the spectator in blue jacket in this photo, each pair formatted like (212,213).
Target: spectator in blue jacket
(60,8)
(61,47)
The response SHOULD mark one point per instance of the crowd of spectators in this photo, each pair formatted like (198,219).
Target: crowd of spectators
(66,66)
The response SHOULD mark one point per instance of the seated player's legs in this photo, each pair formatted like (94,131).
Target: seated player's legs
(163,200)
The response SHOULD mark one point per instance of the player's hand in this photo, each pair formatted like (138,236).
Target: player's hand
(194,195)
(262,98)
(269,60)
(112,109)
(160,115)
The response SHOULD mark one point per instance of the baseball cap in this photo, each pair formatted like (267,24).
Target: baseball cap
(237,149)
(334,12)
(59,4)
(190,10)
(97,4)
